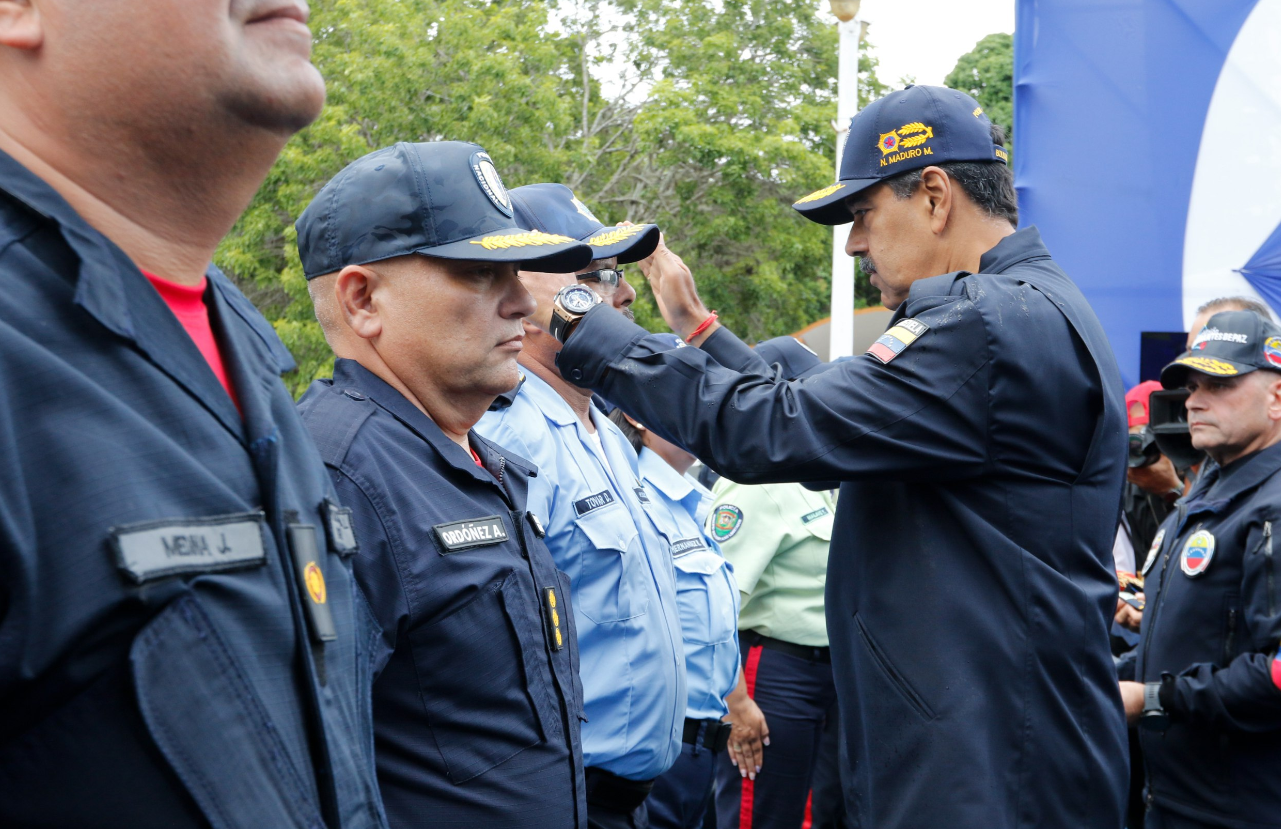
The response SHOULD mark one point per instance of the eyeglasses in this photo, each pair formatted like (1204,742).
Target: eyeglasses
(607,277)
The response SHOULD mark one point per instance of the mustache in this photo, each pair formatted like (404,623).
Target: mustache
(627,312)
(866,264)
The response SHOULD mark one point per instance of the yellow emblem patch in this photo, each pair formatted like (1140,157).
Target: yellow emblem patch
(977,111)
(614,235)
(905,142)
(315,583)
(820,194)
(1002,154)
(1209,365)
(521,240)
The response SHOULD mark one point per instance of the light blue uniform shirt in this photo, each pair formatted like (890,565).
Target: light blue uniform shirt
(621,576)
(705,589)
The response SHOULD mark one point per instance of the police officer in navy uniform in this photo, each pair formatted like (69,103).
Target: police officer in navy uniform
(1206,698)
(476,694)
(182,643)
(980,445)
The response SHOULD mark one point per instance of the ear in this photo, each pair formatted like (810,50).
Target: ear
(636,424)
(936,189)
(20,26)
(355,290)
(1274,396)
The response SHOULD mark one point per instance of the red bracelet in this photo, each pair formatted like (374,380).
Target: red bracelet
(702,326)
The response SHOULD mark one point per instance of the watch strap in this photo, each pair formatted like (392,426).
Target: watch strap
(1152,697)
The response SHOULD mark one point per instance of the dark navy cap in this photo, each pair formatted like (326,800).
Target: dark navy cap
(1231,344)
(442,199)
(906,130)
(553,208)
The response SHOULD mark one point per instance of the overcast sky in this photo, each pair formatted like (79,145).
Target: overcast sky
(924,38)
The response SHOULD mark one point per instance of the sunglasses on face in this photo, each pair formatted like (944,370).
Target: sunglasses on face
(607,277)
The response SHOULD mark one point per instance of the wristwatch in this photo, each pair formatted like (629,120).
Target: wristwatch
(1153,716)
(568,307)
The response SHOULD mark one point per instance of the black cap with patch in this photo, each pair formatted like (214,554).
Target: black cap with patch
(906,130)
(1231,344)
(442,198)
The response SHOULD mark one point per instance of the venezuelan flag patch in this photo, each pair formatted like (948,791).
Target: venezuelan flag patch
(895,341)
(1276,670)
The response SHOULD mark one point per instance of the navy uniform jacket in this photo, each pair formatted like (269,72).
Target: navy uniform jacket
(476,698)
(970,586)
(162,660)
(1215,632)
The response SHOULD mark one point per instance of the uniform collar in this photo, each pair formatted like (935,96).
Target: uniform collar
(351,375)
(658,472)
(1020,246)
(1244,474)
(554,407)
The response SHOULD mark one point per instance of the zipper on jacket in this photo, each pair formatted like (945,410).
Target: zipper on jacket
(1232,630)
(1266,544)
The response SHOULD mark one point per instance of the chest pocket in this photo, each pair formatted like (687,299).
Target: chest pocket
(485,689)
(705,596)
(613,584)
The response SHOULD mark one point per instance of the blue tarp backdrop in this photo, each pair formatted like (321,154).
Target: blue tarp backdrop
(1111,104)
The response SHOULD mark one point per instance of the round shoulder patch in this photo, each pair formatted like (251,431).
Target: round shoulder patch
(1272,351)
(482,166)
(1156,548)
(726,522)
(1197,553)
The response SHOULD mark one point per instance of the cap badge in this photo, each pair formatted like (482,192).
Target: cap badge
(820,194)
(1197,554)
(521,240)
(977,111)
(482,166)
(1272,351)
(614,235)
(584,211)
(1209,365)
(905,142)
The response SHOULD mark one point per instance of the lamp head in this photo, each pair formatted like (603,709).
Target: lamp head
(845,10)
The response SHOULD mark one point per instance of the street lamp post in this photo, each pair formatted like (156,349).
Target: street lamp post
(841,341)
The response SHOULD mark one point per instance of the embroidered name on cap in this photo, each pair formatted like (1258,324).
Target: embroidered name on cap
(474,532)
(155,549)
(895,341)
(593,502)
(685,546)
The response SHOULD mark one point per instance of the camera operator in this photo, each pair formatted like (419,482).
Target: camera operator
(1207,707)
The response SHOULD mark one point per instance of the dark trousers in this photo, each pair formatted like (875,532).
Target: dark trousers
(795,696)
(611,801)
(831,776)
(681,794)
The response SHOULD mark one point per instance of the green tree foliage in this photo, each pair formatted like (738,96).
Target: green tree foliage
(708,116)
(987,73)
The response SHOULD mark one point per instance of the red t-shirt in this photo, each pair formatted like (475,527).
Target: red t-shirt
(188,305)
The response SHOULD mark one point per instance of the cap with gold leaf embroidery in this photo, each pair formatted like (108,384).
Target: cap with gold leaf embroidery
(906,130)
(553,208)
(441,198)
(1232,343)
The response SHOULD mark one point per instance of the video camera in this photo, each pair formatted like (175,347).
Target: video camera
(1168,427)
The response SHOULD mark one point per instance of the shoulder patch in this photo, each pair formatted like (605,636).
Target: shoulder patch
(726,522)
(895,341)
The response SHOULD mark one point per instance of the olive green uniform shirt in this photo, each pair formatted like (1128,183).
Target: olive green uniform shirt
(777,537)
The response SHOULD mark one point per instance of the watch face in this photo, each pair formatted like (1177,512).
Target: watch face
(577,299)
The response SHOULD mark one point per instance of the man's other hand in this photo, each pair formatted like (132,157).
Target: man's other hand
(1127,616)
(1158,478)
(674,291)
(1132,699)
